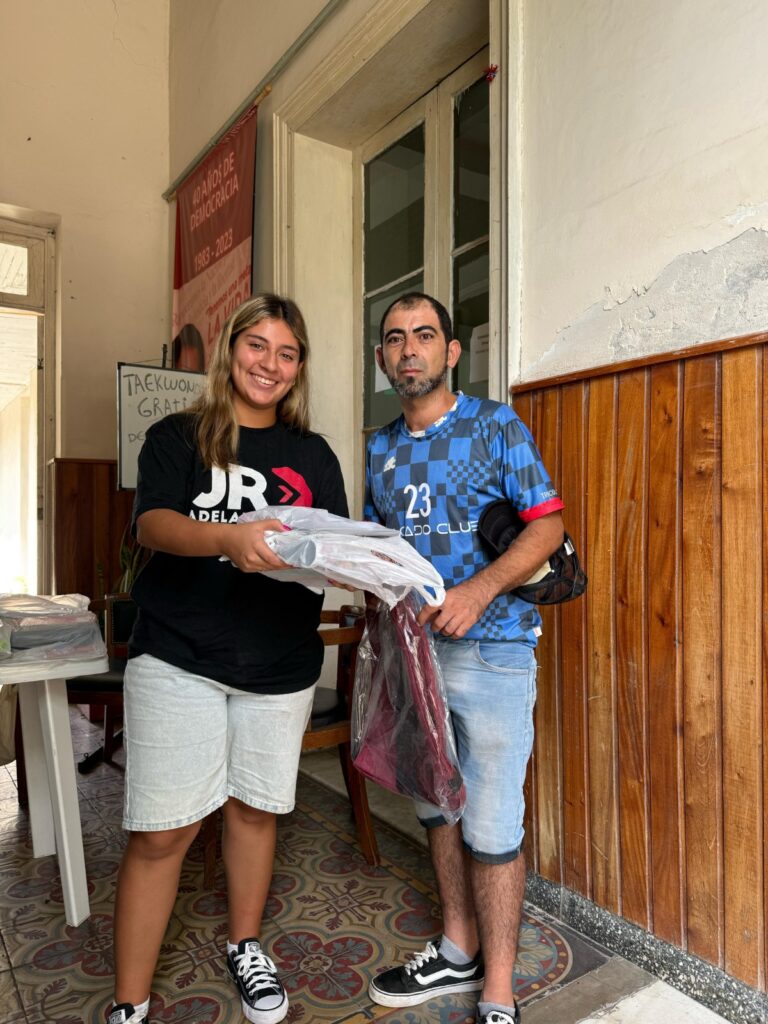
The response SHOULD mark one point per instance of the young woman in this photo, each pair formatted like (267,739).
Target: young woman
(219,683)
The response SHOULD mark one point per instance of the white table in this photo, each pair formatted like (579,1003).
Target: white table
(53,808)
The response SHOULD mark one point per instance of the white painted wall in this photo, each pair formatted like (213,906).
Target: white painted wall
(84,109)
(644,149)
(323,186)
(220,50)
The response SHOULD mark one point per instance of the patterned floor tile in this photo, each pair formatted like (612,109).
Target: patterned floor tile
(11,1010)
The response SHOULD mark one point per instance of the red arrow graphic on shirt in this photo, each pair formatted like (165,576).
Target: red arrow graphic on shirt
(298,489)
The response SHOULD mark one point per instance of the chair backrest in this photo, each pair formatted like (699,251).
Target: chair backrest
(343,628)
(119,614)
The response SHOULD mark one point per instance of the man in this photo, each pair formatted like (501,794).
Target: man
(430,473)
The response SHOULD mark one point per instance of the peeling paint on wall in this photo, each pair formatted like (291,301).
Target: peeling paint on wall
(698,297)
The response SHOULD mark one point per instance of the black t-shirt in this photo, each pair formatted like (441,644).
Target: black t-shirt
(205,615)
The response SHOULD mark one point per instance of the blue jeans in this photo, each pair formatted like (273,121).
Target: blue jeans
(491,691)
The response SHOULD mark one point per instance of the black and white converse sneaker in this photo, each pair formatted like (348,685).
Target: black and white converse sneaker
(262,995)
(500,1017)
(125,1013)
(426,974)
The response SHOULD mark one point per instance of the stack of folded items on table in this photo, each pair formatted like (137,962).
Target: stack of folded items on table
(34,628)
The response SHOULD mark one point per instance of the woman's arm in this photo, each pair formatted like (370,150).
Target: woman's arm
(162,529)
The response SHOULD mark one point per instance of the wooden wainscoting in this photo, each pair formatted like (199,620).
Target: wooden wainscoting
(648,783)
(89,516)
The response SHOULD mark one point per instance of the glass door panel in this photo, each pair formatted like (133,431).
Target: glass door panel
(469,255)
(472,156)
(393,238)
(470,320)
(381,404)
(394,211)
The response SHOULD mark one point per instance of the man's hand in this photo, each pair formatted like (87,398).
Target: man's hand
(466,602)
(462,607)
(245,547)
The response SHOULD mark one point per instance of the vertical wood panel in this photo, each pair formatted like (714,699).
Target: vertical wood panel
(577,872)
(601,511)
(525,406)
(665,720)
(762,542)
(89,516)
(548,745)
(741,663)
(631,647)
(100,524)
(702,641)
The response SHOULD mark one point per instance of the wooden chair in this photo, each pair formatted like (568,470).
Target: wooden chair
(106,688)
(330,722)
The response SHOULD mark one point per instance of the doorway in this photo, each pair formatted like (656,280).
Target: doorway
(26,413)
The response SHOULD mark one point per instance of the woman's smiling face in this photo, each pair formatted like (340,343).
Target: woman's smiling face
(266,360)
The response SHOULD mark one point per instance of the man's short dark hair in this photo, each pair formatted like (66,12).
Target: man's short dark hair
(411,299)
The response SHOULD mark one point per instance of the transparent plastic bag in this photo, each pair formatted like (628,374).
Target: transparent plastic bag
(322,547)
(49,628)
(41,639)
(402,736)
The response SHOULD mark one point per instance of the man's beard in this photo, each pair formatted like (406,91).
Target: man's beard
(418,388)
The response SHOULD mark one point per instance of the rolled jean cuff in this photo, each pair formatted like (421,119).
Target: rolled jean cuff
(433,821)
(494,858)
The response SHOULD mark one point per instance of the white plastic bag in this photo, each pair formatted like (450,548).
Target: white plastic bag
(366,556)
(22,606)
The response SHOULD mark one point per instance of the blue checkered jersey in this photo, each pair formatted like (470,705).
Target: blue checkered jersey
(433,485)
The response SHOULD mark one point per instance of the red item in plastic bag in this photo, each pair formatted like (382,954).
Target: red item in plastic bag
(402,737)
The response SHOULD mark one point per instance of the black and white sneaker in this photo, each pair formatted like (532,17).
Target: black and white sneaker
(500,1017)
(125,1013)
(426,974)
(262,995)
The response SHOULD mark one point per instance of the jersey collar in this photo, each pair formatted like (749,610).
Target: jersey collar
(435,427)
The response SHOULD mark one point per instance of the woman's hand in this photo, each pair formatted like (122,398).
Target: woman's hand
(245,546)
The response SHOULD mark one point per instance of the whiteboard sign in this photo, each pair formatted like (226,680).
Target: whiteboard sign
(145,394)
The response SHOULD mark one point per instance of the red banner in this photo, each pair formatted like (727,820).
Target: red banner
(214,242)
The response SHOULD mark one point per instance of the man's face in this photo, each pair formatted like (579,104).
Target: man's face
(415,354)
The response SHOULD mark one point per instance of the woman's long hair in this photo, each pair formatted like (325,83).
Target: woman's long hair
(217,430)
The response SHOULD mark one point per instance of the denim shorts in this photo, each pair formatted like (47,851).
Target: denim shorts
(491,691)
(191,743)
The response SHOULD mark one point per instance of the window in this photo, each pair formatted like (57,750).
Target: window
(425,225)
(14,269)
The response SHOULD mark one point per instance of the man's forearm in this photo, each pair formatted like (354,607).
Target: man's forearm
(525,555)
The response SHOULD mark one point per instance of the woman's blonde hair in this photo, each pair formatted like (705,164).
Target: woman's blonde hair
(217,429)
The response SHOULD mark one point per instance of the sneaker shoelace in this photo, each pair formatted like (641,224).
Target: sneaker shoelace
(258,972)
(418,960)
